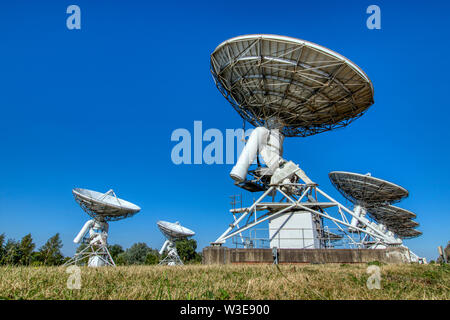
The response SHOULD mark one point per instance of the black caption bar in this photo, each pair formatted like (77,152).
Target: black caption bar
(207,309)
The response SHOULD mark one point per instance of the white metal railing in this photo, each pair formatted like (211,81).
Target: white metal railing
(260,238)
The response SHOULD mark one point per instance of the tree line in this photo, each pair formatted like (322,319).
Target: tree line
(23,253)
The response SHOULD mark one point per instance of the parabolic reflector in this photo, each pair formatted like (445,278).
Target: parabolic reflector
(392,215)
(307,88)
(365,189)
(401,224)
(406,233)
(174,230)
(104,206)
(397,220)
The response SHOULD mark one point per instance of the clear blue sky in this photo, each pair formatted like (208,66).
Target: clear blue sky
(95,108)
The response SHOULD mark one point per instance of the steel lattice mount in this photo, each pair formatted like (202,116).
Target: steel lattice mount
(96,256)
(172,258)
(292,197)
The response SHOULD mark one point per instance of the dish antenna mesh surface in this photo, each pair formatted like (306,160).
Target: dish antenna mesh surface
(173,232)
(106,206)
(360,188)
(308,88)
(397,220)
(373,194)
(407,233)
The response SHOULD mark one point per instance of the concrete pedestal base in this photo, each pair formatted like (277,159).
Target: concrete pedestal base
(224,255)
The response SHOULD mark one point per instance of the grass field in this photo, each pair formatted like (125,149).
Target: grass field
(228,282)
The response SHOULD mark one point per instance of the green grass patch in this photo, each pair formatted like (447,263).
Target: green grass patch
(241,282)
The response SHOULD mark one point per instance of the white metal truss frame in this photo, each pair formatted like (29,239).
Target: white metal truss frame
(100,251)
(172,257)
(303,203)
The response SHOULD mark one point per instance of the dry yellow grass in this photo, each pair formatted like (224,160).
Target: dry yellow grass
(228,282)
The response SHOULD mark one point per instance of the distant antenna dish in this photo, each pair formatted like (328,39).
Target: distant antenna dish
(102,207)
(365,189)
(391,213)
(407,233)
(397,220)
(305,87)
(392,224)
(173,232)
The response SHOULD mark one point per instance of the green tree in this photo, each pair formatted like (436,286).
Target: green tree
(447,252)
(198,257)
(36,259)
(186,250)
(81,247)
(121,259)
(152,257)
(12,252)
(137,253)
(50,252)
(115,250)
(26,248)
(2,248)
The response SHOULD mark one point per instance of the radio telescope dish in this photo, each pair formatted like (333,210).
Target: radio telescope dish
(365,189)
(173,232)
(288,87)
(390,224)
(407,233)
(397,220)
(305,87)
(392,215)
(104,206)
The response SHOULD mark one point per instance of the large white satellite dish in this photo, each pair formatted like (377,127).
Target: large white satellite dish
(102,207)
(288,87)
(307,87)
(173,232)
